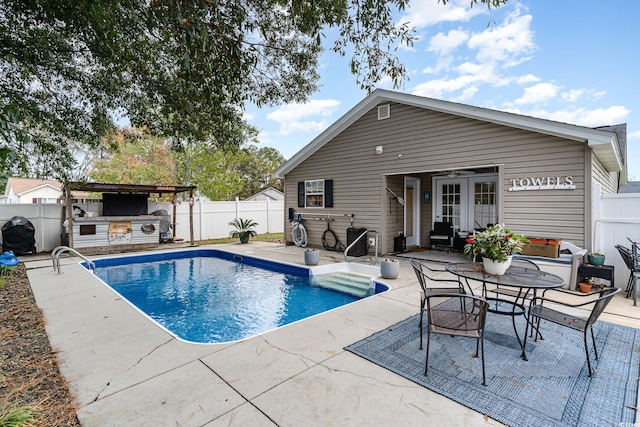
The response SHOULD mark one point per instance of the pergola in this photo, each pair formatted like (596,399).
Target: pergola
(99,187)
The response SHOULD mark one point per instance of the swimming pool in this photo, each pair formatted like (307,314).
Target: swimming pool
(214,296)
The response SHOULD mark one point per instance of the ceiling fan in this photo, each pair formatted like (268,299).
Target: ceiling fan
(454,173)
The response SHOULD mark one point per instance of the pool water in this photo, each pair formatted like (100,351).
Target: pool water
(210,297)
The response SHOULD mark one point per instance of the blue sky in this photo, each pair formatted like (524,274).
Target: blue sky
(570,61)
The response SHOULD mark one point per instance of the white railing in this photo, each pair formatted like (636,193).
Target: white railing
(55,258)
(373,261)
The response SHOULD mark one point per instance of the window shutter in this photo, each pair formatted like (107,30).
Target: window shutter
(328,193)
(301,194)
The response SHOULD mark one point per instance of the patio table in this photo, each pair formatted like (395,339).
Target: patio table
(520,280)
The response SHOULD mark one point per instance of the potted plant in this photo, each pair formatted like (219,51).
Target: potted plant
(311,256)
(496,245)
(595,258)
(389,268)
(244,229)
(585,287)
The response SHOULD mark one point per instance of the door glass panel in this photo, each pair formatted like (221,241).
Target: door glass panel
(451,204)
(485,209)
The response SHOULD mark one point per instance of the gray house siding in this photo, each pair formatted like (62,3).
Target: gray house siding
(546,213)
(421,142)
(607,180)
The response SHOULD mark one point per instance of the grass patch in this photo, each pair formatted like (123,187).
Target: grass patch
(19,416)
(267,237)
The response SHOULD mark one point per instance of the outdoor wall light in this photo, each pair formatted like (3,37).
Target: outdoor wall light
(378,149)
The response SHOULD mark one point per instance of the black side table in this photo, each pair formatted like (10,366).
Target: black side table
(600,271)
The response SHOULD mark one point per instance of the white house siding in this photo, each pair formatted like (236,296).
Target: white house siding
(415,140)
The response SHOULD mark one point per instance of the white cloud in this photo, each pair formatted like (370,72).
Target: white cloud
(505,43)
(572,95)
(425,13)
(494,49)
(581,116)
(443,44)
(540,92)
(634,135)
(291,116)
(526,79)
(436,88)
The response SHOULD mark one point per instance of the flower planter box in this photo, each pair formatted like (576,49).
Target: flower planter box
(544,247)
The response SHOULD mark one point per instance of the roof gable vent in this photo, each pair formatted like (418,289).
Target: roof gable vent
(384,111)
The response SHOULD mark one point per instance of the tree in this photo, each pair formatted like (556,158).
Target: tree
(134,157)
(182,69)
(257,167)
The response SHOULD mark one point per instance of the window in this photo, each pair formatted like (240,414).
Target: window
(316,193)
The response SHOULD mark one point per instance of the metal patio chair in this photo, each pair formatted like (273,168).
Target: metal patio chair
(462,318)
(430,285)
(441,234)
(633,264)
(539,309)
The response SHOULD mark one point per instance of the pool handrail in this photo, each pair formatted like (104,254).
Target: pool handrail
(55,258)
(346,251)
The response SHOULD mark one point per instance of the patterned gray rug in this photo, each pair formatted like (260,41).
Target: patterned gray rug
(550,389)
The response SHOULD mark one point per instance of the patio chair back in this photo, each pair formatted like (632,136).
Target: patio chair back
(430,285)
(441,234)
(632,261)
(524,263)
(538,310)
(457,315)
(626,255)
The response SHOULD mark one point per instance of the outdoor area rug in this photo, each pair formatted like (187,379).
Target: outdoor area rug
(550,389)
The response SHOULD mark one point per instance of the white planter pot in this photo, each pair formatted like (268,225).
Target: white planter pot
(389,269)
(311,256)
(497,268)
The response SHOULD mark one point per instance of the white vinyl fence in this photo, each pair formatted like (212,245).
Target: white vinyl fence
(210,219)
(47,219)
(616,219)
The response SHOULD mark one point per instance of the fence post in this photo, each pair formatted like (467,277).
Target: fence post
(41,218)
(268,216)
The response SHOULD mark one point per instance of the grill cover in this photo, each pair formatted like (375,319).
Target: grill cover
(18,235)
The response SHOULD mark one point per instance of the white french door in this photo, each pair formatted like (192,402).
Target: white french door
(467,202)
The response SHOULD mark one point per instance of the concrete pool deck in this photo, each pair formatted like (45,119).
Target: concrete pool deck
(124,370)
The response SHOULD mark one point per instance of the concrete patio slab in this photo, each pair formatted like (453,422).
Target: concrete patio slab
(125,370)
(190,395)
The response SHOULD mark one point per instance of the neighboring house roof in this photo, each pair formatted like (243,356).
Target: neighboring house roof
(631,187)
(269,192)
(604,143)
(24,185)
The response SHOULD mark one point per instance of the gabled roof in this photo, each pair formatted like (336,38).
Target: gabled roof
(269,192)
(24,185)
(604,143)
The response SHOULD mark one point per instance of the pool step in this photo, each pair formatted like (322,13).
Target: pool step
(343,281)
